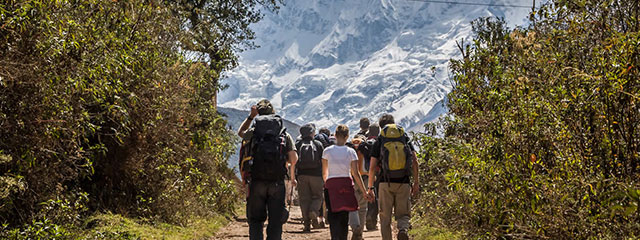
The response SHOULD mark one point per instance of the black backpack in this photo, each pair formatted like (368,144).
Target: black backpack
(323,138)
(309,155)
(268,144)
(365,148)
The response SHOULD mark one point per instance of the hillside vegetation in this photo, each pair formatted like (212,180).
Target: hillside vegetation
(543,139)
(109,106)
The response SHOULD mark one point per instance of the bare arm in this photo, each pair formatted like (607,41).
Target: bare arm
(361,164)
(325,169)
(356,175)
(372,170)
(293,159)
(372,177)
(247,121)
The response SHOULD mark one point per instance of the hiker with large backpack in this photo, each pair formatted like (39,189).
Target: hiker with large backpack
(395,155)
(364,162)
(339,165)
(270,148)
(309,176)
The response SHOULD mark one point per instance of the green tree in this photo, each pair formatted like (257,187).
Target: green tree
(543,141)
(109,105)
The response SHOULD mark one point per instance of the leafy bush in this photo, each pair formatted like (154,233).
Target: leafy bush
(110,105)
(543,141)
(44,229)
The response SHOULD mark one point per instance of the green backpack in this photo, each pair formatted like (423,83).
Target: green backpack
(395,152)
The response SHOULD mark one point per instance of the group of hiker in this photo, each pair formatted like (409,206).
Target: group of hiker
(348,181)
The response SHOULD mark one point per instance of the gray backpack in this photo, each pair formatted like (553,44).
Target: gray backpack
(309,155)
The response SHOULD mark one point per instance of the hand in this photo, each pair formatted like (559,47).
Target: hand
(415,188)
(372,195)
(368,197)
(294,183)
(254,111)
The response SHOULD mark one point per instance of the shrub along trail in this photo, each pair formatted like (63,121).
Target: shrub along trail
(239,229)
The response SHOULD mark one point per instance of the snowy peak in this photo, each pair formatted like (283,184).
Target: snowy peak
(332,62)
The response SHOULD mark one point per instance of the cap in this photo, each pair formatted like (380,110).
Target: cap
(265,107)
(358,139)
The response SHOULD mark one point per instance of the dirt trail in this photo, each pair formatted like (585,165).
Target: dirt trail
(239,229)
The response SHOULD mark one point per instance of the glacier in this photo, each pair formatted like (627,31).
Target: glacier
(333,62)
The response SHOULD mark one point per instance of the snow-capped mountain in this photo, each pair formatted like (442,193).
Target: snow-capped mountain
(333,62)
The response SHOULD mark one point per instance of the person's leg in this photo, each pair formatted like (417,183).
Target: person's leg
(343,225)
(338,225)
(403,209)
(316,188)
(276,208)
(256,209)
(305,194)
(323,212)
(332,218)
(362,211)
(386,206)
(372,210)
(338,221)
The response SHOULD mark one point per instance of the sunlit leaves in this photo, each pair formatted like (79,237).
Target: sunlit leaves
(552,108)
(98,96)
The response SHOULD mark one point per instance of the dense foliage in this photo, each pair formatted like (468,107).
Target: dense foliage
(544,137)
(110,105)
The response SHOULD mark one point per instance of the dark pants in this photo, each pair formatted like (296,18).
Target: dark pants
(266,199)
(372,207)
(338,221)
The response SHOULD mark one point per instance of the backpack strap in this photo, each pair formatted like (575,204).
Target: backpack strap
(298,145)
(318,147)
(383,172)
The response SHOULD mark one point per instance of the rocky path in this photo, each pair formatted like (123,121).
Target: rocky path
(239,229)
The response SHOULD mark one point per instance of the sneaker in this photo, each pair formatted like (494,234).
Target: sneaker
(402,235)
(314,222)
(321,223)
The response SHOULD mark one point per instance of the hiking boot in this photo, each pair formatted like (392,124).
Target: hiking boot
(402,235)
(307,228)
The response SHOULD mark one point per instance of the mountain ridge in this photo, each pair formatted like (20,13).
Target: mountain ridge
(333,63)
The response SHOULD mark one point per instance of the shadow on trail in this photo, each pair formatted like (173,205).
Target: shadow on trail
(239,219)
(238,236)
(301,232)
